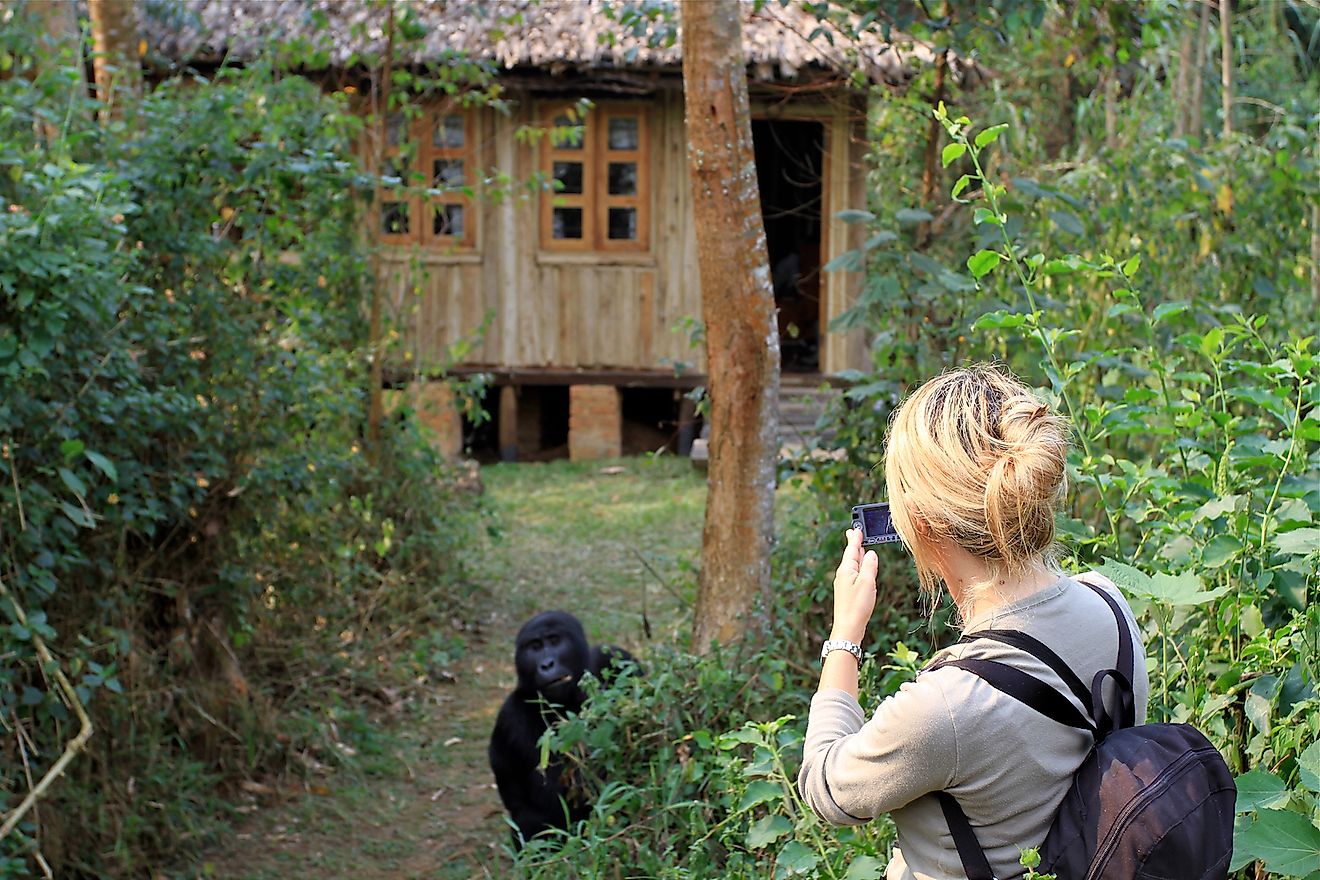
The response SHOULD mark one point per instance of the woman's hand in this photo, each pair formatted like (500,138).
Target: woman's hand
(854,590)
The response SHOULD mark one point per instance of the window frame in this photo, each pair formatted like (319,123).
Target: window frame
(420,145)
(595,199)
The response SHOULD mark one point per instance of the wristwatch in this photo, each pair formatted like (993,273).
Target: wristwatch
(841,645)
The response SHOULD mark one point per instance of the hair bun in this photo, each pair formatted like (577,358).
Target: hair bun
(979,459)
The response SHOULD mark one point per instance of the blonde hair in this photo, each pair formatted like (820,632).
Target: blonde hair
(976,458)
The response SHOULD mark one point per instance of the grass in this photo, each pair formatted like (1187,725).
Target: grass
(615,543)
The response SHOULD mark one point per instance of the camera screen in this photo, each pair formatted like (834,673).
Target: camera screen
(877,527)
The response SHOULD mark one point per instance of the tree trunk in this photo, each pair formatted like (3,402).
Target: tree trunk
(61,47)
(116,61)
(737,306)
(1315,255)
(930,170)
(1226,63)
(1194,119)
(1182,84)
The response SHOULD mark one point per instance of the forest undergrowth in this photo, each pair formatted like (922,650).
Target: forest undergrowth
(417,800)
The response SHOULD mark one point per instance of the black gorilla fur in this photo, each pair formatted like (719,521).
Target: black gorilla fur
(551,656)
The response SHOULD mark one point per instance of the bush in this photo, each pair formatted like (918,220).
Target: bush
(189,520)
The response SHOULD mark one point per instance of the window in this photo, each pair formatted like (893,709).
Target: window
(431,155)
(599,168)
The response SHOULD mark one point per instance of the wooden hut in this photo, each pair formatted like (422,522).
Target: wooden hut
(578,296)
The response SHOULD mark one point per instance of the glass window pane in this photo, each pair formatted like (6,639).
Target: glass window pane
(448,174)
(623,133)
(569,174)
(394,218)
(623,224)
(448,220)
(566,223)
(449,133)
(396,129)
(394,171)
(567,134)
(623,179)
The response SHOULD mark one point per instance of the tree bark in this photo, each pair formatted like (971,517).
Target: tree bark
(116,61)
(929,169)
(737,307)
(1182,84)
(61,47)
(1194,118)
(1315,255)
(1226,63)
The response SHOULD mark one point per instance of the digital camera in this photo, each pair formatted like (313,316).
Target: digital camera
(875,524)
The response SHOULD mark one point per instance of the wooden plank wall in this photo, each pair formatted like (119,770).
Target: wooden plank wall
(845,187)
(594,311)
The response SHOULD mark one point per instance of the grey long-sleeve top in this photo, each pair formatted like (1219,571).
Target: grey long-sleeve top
(1008,766)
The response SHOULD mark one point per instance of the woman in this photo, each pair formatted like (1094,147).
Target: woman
(974,467)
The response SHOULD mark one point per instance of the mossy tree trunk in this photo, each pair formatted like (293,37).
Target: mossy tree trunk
(116,59)
(738,309)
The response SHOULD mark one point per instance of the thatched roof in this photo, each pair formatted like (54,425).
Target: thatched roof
(780,42)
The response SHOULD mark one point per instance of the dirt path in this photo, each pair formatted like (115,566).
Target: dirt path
(419,801)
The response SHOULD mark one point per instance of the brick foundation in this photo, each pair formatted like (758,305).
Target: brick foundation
(595,422)
(438,411)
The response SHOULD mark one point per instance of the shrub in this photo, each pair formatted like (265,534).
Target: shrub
(188,518)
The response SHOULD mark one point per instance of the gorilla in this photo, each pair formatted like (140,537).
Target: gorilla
(551,656)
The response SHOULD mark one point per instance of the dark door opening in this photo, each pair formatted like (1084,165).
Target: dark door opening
(789,162)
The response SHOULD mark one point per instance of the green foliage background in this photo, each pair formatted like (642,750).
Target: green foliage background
(188,517)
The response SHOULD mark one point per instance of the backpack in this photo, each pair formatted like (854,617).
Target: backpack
(1151,801)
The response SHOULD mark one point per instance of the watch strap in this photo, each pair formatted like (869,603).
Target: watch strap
(832,645)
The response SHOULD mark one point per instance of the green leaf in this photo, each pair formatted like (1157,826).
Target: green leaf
(1181,589)
(760,791)
(795,860)
(854,215)
(1131,265)
(983,262)
(1170,589)
(1298,542)
(767,830)
(1068,222)
(999,319)
(103,464)
(1127,578)
(1220,551)
(1285,841)
(913,215)
(962,184)
(882,237)
(952,153)
(848,261)
(989,135)
(1308,767)
(70,448)
(864,868)
(76,486)
(1260,790)
(1166,310)
(1258,705)
(1216,508)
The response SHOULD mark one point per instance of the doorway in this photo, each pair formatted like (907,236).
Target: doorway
(789,162)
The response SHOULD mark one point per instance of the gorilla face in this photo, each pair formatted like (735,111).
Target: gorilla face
(551,655)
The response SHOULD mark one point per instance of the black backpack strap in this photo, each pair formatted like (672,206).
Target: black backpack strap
(1123,675)
(1025,689)
(975,864)
(1042,652)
